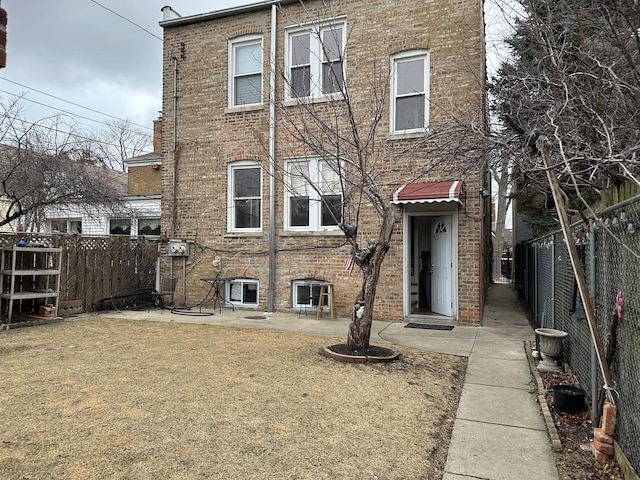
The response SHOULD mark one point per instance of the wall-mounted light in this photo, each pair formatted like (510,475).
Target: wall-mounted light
(484,193)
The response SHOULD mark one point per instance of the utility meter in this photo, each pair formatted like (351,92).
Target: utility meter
(178,248)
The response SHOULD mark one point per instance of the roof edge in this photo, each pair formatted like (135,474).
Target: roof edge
(227,12)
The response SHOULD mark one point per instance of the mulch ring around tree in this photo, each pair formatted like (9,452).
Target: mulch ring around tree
(374,353)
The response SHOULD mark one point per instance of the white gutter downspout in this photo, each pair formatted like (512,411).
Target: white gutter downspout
(272,160)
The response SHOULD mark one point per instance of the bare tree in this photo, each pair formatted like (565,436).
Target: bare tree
(502,170)
(360,167)
(43,164)
(121,139)
(570,99)
(574,77)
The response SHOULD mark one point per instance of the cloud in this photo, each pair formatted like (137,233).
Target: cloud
(84,53)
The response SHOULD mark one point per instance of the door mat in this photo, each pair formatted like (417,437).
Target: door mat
(426,326)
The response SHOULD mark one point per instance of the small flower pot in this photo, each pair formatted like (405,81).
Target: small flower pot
(568,399)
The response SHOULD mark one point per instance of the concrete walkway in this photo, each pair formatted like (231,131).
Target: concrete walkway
(499,432)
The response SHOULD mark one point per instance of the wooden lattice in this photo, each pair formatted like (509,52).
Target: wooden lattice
(94,268)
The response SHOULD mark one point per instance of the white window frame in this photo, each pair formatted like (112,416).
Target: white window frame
(314,167)
(395,60)
(241,282)
(69,224)
(231,217)
(145,219)
(120,219)
(315,31)
(233,46)
(311,284)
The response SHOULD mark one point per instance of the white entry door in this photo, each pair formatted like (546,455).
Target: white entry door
(441,269)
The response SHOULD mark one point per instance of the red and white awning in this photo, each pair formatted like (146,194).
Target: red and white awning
(432,192)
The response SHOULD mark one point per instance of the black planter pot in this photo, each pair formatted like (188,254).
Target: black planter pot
(568,399)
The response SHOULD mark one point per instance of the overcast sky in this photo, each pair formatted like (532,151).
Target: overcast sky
(80,52)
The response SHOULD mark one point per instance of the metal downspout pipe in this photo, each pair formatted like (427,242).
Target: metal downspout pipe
(595,391)
(272,160)
(174,147)
(536,301)
(552,312)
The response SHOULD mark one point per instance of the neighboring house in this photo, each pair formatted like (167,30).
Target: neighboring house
(139,213)
(279,244)
(5,204)
(11,226)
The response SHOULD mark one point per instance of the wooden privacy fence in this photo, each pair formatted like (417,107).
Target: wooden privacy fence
(95,267)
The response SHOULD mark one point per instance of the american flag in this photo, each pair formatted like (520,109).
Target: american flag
(349,263)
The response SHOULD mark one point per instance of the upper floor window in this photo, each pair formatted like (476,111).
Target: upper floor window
(409,110)
(244,197)
(315,60)
(245,71)
(313,195)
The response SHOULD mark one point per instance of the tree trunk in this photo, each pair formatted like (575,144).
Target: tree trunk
(362,313)
(502,179)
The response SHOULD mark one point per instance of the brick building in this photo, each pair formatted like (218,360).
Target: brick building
(238,181)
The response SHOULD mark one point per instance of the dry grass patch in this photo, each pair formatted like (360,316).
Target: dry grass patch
(106,398)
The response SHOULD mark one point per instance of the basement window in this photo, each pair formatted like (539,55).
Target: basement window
(306,293)
(242,292)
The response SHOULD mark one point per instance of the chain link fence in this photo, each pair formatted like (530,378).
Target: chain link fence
(610,254)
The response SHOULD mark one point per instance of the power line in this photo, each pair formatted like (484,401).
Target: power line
(72,103)
(22,120)
(126,19)
(62,111)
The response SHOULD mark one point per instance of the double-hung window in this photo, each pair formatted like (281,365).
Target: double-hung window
(245,71)
(409,112)
(315,60)
(313,195)
(244,197)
